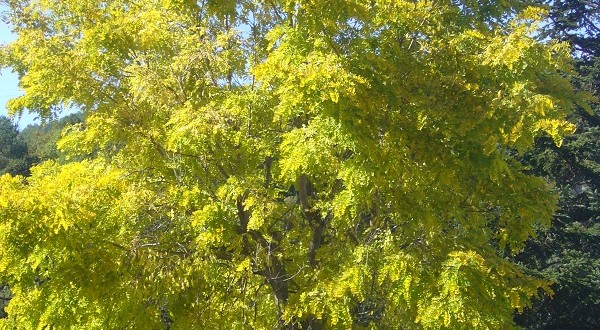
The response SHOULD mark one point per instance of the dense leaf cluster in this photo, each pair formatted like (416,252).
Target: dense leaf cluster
(21,150)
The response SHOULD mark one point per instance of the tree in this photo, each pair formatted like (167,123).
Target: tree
(569,253)
(41,139)
(291,164)
(14,158)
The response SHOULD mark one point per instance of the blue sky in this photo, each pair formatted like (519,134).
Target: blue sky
(9,82)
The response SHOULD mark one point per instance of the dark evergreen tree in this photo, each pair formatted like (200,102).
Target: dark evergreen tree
(14,158)
(569,253)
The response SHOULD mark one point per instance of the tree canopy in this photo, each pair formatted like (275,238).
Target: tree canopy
(288,164)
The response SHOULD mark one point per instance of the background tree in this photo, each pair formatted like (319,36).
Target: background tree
(41,139)
(14,157)
(289,164)
(569,253)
